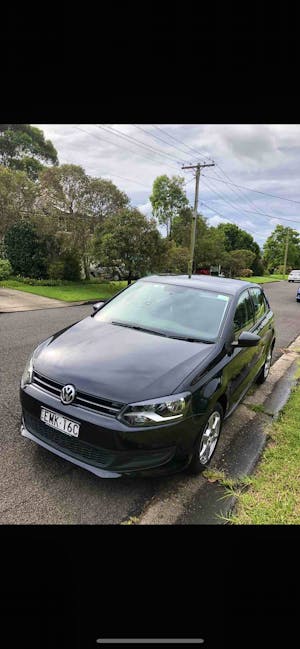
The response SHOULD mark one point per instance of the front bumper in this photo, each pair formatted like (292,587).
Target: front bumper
(105,446)
(99,472)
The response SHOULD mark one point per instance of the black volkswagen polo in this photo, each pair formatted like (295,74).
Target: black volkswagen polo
(143,384)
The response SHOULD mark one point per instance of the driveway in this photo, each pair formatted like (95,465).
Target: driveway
(12,300)
(38,487)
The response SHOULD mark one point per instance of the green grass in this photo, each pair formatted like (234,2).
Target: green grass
(256,407)
(263,280)
(274,493)
(92,290)
(70,291)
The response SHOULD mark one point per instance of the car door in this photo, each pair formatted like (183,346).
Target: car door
(263,326)
(240,369)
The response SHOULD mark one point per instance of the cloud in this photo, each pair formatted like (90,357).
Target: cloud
(265,157)
(145,208)
(216,220)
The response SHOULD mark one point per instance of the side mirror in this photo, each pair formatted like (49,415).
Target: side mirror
(246,339)
(97,306)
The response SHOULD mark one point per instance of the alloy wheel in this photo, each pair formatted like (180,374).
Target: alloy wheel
(210,437)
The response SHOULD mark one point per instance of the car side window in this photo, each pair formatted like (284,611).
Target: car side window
(259,302)
(243,317)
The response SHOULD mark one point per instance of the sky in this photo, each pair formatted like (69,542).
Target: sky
(261,157)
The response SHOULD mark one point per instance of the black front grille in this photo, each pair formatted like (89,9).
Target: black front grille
(77,448)
(103,406)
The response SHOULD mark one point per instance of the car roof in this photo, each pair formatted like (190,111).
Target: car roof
(208,282)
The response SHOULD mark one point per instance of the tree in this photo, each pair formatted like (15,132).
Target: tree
(209,243)
(176,258)
(17,197)
(104,199)
(181,227)
(274,248)
(128,237)
(26,253)
(167,199)
(24,148)
(76,204)
(209,246)
(238,239)
(236,260)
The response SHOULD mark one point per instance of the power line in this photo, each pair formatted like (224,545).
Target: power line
(222,198)
(248,200)
(217,164)
(200,154)
(160,138)
(260,213)
(270,216)
(180,142)
(137,182)
(244,210)
(101,138)
(218,213)
(290,200)
(130,139)
(137,143)
(229,182)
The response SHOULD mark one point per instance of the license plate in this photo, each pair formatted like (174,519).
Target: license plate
(59,422)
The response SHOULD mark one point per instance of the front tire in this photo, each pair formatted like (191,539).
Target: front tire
(207,441)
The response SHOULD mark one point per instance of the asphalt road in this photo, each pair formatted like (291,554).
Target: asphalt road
(38,487)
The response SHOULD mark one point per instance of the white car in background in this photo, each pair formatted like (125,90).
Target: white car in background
(294,276)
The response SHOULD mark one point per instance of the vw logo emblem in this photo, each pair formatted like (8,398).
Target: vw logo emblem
(67,394)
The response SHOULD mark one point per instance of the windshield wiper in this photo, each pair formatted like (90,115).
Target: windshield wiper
(160,333)
(192,340)
(138,328)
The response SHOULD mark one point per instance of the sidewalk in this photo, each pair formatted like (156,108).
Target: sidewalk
(12,301)
(200,500)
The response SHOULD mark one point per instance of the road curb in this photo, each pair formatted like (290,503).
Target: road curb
(196,500)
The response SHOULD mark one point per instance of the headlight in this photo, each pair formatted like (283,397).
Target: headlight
(27,374)
(156,411)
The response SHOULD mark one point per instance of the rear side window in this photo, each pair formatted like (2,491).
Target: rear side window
(243,317)
(260,305)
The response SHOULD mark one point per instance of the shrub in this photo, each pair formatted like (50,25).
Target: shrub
(25,251)
(56,270)
(5,269)
(258,267)
(246,272)
(40,282)
(71,265)
(280,269)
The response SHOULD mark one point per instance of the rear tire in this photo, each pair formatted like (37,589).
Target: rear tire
(207,441)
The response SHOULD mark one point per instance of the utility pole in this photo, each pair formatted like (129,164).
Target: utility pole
(286,251)
(198,168)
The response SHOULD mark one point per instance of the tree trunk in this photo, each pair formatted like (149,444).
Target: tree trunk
(86,267)
(129,278)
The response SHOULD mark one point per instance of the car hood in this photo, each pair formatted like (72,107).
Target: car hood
(118,363)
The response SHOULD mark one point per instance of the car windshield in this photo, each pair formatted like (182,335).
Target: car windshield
(168,309)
